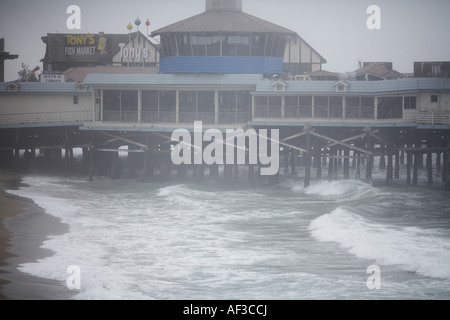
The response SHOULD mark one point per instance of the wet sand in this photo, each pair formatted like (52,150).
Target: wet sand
(23,228)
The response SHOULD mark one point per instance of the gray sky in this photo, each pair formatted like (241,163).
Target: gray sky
(411,30)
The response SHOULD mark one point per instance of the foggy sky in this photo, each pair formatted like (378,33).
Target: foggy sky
(411,30)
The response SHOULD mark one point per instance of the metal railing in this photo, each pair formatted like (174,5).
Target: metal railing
(45,117)
(433,117)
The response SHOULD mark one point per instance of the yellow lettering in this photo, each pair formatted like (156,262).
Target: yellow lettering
(91,39)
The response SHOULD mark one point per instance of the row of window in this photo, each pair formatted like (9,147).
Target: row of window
(223,44)
(165,100)
(335,101)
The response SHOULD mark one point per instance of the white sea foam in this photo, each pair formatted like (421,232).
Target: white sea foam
(426,252)
(143,241)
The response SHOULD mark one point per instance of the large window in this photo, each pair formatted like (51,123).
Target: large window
(223,44)
(234,106)
(198,42)
(321,107)
(197,106)
(120,105)
(229,43)
(150,106)
(158,106)
(359,107)
(390,108)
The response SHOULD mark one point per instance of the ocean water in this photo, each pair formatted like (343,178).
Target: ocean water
(209,241)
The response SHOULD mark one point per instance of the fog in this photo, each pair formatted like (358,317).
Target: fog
(411,30)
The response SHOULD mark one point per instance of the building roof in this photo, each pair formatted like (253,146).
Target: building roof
(223,21)
(380,71)
(79,74)
(41,87)
(358,87)
(124,80)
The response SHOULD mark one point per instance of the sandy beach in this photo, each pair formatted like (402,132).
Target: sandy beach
(23,228)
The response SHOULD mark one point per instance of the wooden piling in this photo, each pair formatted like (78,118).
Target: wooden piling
(251,174)
(330,164)
(416,168)
(91,164)
(308,161)
(358,165)
(389,169)
(347,163)
(318,160)
(430,168)
(293,163)
(382,164)
(438,162)
(445,167)
(369,158)
(409,158)
(397,165)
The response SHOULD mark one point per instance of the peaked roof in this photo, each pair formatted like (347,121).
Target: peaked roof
(223,21)
(380,71)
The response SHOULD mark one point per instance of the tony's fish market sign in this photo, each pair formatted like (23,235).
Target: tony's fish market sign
(84,44)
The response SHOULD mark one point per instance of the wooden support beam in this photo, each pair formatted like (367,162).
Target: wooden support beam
(294,136)
(121,150)
(143,146)
(339,142)
(359,136)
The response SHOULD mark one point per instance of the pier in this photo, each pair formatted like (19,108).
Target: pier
(264,77)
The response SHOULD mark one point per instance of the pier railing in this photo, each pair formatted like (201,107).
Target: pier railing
(433,117)
(232,117)
(424,117)
(46,117)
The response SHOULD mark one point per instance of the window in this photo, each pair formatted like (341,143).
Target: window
(390,108)
(75,99)
(243,45)
(410,102)
(206,101)
(279,87)
(275,101)
(434,98)
(229,45)
(198,42)
(212,45)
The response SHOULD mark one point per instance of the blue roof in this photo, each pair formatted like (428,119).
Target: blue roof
(124,80)
(42,87)
(357,87)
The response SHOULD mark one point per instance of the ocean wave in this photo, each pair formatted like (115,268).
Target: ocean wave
(343,189)
(414,249)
